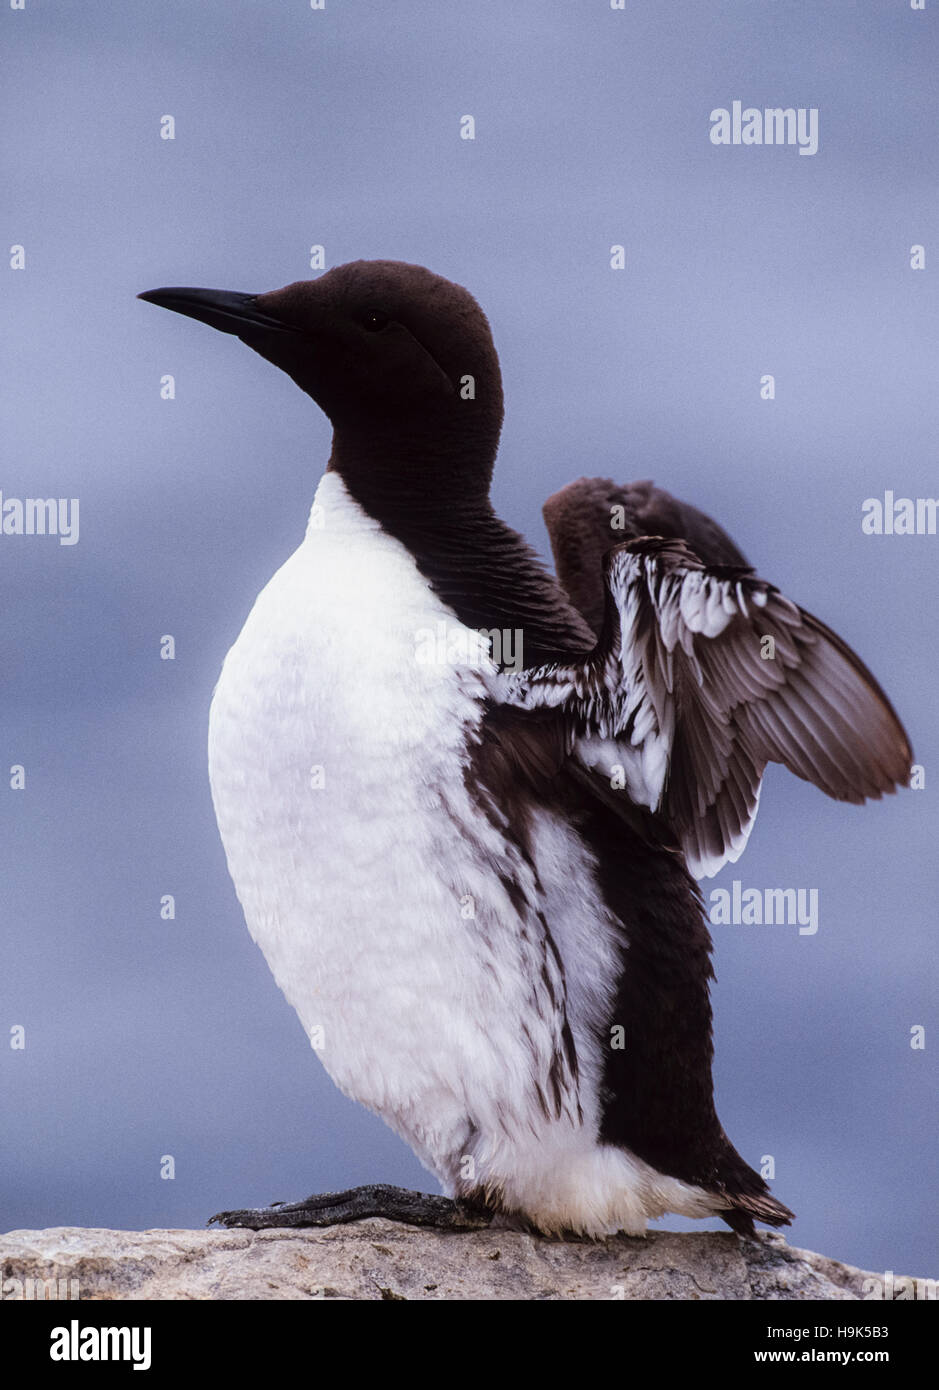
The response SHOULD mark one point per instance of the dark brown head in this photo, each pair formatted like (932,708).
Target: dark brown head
(400,360)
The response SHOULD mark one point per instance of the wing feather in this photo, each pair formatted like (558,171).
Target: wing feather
(701,677)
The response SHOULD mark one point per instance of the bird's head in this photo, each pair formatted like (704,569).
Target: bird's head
(400,359)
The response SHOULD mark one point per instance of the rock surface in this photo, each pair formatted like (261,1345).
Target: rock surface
(378,1259)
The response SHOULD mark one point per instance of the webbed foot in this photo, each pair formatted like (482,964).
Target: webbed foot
(374,1199)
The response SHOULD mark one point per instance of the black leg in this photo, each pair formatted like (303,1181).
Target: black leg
(376,1199)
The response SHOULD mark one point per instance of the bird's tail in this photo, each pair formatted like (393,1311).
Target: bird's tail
(747,1208)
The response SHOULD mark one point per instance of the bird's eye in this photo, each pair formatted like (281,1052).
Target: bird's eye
(373,320)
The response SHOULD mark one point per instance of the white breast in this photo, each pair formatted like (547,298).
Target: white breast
(337,753)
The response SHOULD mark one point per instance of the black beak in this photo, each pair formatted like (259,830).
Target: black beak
(226,310)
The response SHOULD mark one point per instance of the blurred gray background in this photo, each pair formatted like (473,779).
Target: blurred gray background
(294,127)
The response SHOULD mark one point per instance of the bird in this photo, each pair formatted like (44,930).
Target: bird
(466,803)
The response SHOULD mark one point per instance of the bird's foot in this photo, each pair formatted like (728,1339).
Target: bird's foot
(375,1199)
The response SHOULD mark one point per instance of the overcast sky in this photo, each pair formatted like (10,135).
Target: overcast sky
(341,128)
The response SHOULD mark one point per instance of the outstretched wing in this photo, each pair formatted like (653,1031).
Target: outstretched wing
(703,675)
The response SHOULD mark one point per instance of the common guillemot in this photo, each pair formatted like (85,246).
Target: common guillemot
(474,882)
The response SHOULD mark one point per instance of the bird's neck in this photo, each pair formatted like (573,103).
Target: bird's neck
(434,499)
(427,482)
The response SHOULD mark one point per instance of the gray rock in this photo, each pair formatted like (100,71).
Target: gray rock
(378,1259)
